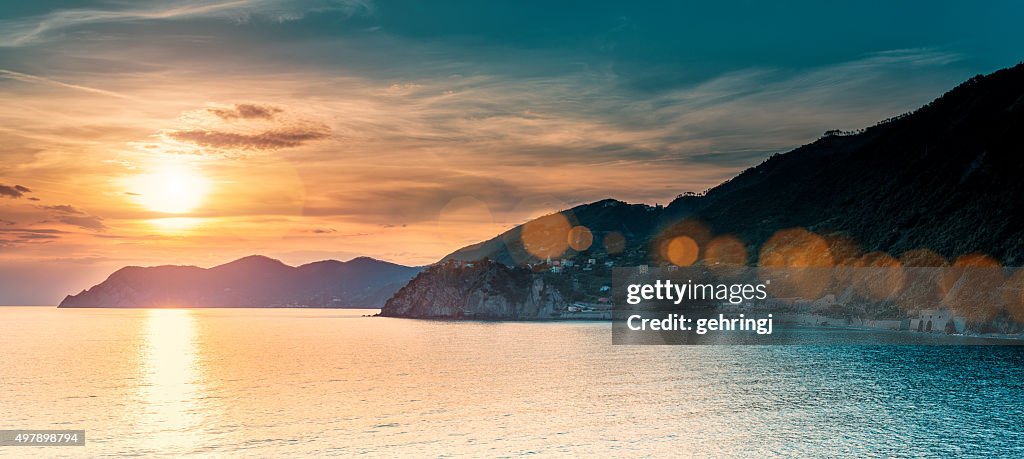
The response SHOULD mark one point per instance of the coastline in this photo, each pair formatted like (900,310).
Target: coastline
(783,321)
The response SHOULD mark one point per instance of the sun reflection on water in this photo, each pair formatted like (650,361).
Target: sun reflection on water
(172,383)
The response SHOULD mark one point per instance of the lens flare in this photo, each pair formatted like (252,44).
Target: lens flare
(974,287)
(682,251)
(547,236)
(614,243)
(878,276)
(580,238)
(797,263)
(725,250)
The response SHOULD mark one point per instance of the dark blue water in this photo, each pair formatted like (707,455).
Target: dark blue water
(884,400)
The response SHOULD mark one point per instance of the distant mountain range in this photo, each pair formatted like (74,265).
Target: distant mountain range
(254,281)
(948,178)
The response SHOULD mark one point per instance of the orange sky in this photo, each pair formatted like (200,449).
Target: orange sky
(197,135)
(182,171)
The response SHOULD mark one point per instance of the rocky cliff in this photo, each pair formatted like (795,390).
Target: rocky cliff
(479,290)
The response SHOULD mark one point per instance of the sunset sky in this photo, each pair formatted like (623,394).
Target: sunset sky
(184,132)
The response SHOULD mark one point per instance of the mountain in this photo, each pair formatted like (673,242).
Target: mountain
(254,281)
(627,226)
(946,178)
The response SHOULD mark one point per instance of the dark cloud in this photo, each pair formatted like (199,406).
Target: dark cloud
(16,236)
(89,222)
(64,209)
(32,230)
(7,222)
(34,236)
(323,231)
(269,140)
(33,199)
(13,192)
(246,111)
(70,215)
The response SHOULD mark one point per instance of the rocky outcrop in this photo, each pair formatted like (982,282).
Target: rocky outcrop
(479,290)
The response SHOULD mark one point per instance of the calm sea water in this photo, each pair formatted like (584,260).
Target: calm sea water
(270,383)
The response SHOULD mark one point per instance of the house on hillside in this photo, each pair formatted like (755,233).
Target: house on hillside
(938,321)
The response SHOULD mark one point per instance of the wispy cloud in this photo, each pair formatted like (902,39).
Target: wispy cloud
(32,231)
(89,222)
(23,31)
(63,209)
(24,77)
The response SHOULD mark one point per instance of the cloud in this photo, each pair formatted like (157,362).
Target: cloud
(415,196)
(16,236)
(246,111)
(23,31)
(14,192)
(64,209)
(227,131)
(33,236)
(71,215)
(274,139)
(26,78)
(32,230)
(89,222)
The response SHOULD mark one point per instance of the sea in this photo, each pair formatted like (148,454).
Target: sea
(329,382)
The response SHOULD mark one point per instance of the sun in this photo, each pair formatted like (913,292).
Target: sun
(171,189)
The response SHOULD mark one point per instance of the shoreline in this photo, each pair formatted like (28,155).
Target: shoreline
(602,317)
(788,324)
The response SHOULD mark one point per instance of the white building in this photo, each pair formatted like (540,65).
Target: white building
(936,321)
